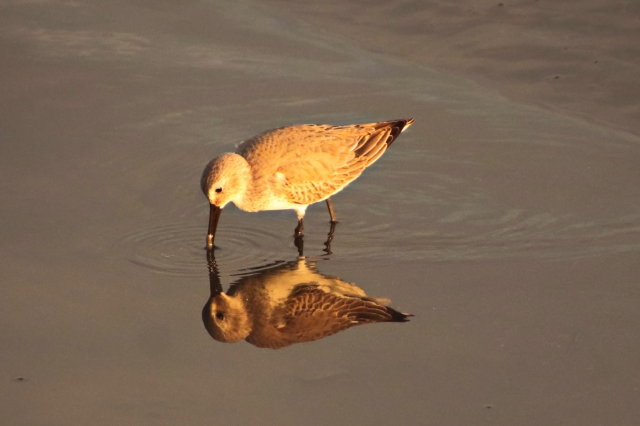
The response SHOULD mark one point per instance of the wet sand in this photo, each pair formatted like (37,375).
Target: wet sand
(510,231)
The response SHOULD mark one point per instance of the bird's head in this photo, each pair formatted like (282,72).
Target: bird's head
(226,318)
(225,179)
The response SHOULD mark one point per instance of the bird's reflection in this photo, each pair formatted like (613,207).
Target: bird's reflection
(288,303)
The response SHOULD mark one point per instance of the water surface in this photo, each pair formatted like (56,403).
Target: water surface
(510,232)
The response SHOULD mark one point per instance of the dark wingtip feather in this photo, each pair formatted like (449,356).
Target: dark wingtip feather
(397,126)
(380,313)
(398,316)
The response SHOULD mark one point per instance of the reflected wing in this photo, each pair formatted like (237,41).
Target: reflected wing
(311,162)
(312,313)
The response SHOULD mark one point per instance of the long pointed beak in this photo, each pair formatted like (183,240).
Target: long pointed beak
(214,216)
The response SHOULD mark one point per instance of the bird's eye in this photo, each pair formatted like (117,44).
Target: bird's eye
(218,190)
(219,315)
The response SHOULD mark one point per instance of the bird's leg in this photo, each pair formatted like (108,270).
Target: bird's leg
(299,243)
(327,243)
(299,229)
(331,212)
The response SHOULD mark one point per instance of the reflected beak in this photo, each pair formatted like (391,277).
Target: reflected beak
(214,276)
(214,216)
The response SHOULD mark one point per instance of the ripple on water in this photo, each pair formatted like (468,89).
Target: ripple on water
(178,249)
(514,234)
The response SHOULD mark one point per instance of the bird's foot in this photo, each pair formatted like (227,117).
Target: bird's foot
(327,244)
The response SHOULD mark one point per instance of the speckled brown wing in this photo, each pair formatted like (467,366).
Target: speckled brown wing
(311,313)
(309,163)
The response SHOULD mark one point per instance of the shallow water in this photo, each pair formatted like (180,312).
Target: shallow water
(511,233)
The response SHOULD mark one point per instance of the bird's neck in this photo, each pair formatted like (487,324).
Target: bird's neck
(248,195)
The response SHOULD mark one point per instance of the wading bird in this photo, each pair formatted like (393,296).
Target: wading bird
(293,167)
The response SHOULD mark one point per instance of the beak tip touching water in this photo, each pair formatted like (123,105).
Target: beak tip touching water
(214,216)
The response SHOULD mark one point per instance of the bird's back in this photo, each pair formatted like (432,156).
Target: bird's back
(307,163)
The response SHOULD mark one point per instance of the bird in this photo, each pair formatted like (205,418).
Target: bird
(294,166)
(290,303)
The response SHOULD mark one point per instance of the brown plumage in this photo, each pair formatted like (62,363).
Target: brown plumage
(291,303)
(293,167)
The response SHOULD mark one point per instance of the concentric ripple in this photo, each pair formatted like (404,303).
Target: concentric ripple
(178,249)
